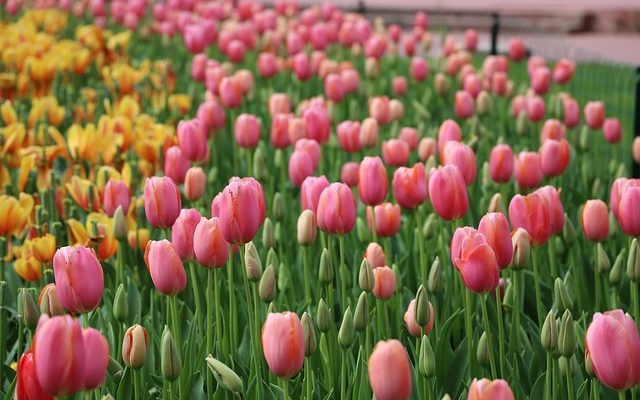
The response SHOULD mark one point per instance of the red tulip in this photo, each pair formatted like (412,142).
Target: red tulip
(495,228)
(533,214)
(595,220)
(310,192)
(161,201)
(410,320)
(554,157)
(528,169)
(484,389)
(116,193)
(209,247)
(613,344)
(336,211)
(475,260)
(448,192)
(182,232)
(395,152)
(463,157)
(59,355)
(242,210)
(283,344)
(390,371)
(247,131)
(372,181)
(27,384)
(384,282)
(165,267)
(79,278)
(410,186)
(501,163)
(387,219)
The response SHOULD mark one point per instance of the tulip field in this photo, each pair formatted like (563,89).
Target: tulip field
(231,200)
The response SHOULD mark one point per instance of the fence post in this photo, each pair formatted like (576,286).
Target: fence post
(636,124)
(495,28)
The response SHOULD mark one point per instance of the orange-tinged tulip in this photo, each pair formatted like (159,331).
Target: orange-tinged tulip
(375,255)
(484,389)
(595,220)
(384,282)
(283,344)
(79,189)
(410,320)
(28,268)
(15,216)
(41,248)
(389,371)
(386,220)
(139,238)
(134,346)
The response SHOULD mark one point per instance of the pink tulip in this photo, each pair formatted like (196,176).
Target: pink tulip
(463,157)
(552,129)
(552,196)
(419,69)
(427,148)
(176,164)
(182,232)
(198,66)
(395,152)
(618,186)
(463,105)
(375,255)
(541,80)
(613,344)
(594,114)
(384,285)
(500,83)
(475,260)
(161,201)
(471,39)
(387,219)
(349,173)
(96,350)
(279,103)
(301,166)
(448,192)
(595,220)
(59,355)
(531,213)
(209,247)
(410,320)
(535,108)
(79,278)
(471,84)
(351,80)
(380,110)
(242,210)
(373,184)
(612,130)
(116,193)
(554,157)
(192,138)
(283,344)
(571,112)
(484,389)
(194,39)
(247,131)
(318,123)
(194,182)
(311,147)
(528,169)
(280,130)
(348,133)
(410,186)
(230,90)
(501,163)
(165,267)
(336,211)
(235,50)
(399,85)
(211,114)
(310,191)
(628,217)
(535,62)
(390,371)
(495,228)
(267,65)
(334,87)
(563,71)
(301,67)
(449,131)
(410,136)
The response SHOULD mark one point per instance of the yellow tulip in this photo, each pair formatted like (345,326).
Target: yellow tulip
(28,269)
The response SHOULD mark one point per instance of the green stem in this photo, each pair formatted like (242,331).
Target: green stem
(256,334)
(595,390)
(307,378)
(487,330)
(570,392)
(500,332)
(552,258)
(596,279)
(217,305)
(343,376)
(423,266)
(195,285)
(622,395)
(247,294)
(136,385)
(305,270)
(174,320)
(210,304)
(633,287)
(469,331)
(233,315)
(547,378)
(285,388)
(536,279)
(343,283)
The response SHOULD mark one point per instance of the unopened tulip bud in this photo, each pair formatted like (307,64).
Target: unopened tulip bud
(521,249)
(446,397)
(272,259)
(346,332)
(559,248)
(119,224)
(616,272)
(268,235)
(267,287)
(603,261)
(567,336)
(362,230)
(134,346)
(522,123)
(484,103)
(562,298)
(584,139)
(436,280)
(325,274)
(115,369)
(324,317)
(49,301)
(121,304)
(28,308)
(571,363)
(225,376)
(549,333)
(496,204)
(277,208)
(430,226)
(260,170)
(307,228)
(365,276)
(422,311)
(170,359)
(568,231)
(427,359)
(361,316)
(482,352)
(633,261)
(108,396)
(310,342)
(588,365)
(252,262)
